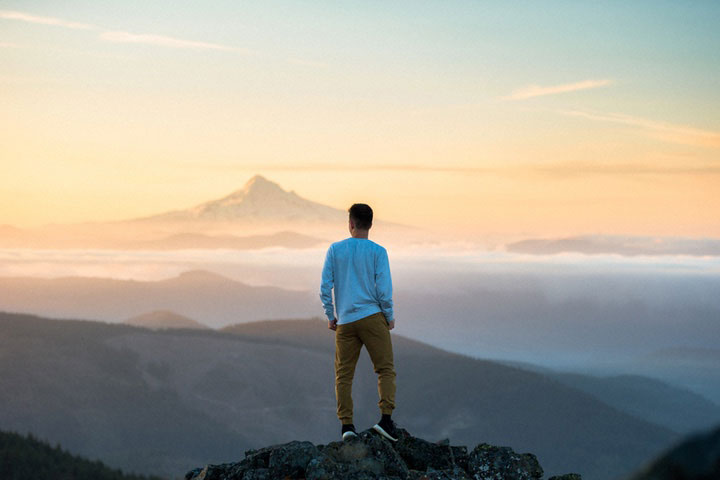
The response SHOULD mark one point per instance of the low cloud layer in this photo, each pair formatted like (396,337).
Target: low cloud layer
(668,132)
(437,268)
(618,244)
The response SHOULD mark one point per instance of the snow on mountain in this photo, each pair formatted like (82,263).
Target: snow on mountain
(260,200)
(260,214)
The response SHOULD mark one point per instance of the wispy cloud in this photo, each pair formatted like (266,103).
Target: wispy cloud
(555,169)
(120,36)
(668,132)
(26,17)
(579,168)
(540,91)
(164,41)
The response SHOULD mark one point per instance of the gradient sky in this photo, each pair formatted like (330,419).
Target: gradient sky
(537,118)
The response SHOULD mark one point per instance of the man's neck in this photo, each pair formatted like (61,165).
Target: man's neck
(360,234)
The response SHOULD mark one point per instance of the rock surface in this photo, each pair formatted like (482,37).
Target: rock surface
(370,456)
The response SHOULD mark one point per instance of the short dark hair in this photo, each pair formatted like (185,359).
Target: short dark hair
(362,215)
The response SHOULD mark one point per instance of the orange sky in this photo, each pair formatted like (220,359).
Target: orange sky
(104,118)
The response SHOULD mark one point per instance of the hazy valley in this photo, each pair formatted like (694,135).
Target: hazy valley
(164,401)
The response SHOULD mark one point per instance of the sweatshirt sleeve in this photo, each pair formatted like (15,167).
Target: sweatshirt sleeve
(383,284)
(328,281)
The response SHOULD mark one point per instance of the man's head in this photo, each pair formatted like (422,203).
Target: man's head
(361,216)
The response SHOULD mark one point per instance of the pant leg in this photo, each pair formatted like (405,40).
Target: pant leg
(347,351)
(375,335)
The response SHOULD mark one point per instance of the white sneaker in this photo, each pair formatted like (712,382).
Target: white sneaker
(387,430)
(349,433)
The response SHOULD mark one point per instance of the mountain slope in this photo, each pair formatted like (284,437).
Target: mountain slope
(653,400)
(263,207)
(25,457)
(259,200)
(165,401)
(697,457)
(260,214)
(199,294)
(160,319)
(656,401)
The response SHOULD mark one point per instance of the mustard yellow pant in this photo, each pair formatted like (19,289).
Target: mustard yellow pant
(373,332)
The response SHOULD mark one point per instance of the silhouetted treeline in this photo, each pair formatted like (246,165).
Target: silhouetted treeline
(27,458)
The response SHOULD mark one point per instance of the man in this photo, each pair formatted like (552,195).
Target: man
(359,271)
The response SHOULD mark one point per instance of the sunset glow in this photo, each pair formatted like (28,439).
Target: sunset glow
(553,119)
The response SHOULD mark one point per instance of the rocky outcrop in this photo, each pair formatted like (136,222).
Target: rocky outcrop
(370,456)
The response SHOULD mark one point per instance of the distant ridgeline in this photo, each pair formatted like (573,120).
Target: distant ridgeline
(370,456)
(27,458)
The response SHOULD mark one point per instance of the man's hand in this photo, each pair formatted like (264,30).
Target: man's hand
(332,324)
(391,325)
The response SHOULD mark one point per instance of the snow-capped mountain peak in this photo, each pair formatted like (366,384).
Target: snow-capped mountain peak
(259,200)
(257,188)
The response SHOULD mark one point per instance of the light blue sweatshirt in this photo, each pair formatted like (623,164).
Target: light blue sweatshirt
(359,271)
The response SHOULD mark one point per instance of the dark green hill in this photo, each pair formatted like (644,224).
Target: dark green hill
(27,458)
(697,457)
(166,401)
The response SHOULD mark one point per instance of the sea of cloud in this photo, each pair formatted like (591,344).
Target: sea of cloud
(433,268)
(440,269)
(569,311)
